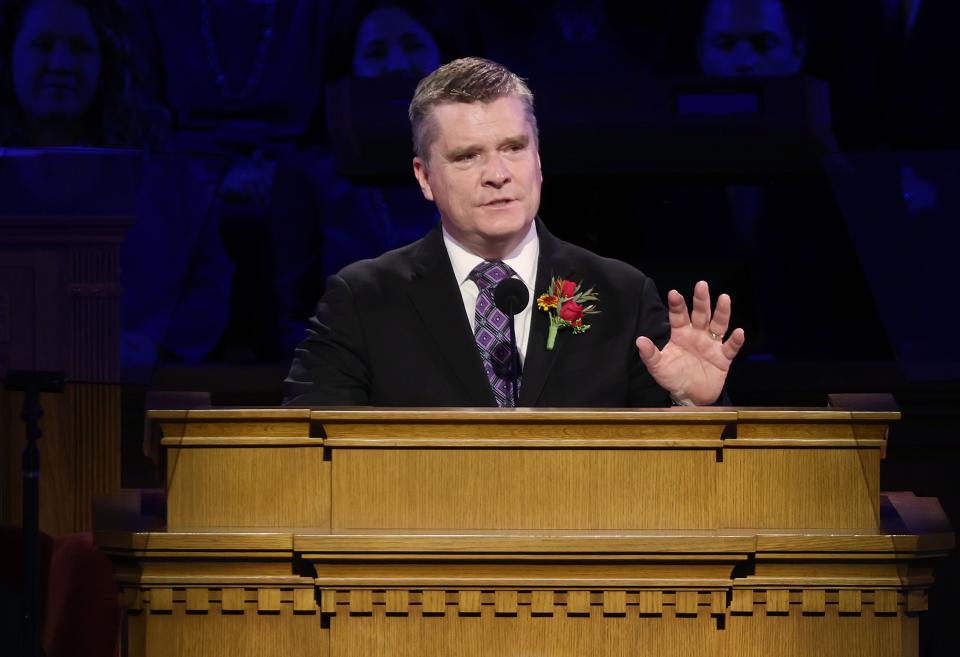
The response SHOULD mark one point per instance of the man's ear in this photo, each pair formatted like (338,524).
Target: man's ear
(423,177)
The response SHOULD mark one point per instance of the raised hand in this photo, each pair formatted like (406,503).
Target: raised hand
(693,365)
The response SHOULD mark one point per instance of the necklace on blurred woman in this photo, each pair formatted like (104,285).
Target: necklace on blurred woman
(260,60)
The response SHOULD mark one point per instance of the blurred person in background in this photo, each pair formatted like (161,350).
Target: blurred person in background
(63,74)
(323,222)
(557,39)
(243,79)
(391,42)
(243,82)
(65,81)
(792,230)
(751,38)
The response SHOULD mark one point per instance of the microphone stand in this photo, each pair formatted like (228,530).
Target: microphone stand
(32,383)
(514,360)
(509,294)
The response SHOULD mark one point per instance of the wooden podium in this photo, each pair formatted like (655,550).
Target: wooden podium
(502,532)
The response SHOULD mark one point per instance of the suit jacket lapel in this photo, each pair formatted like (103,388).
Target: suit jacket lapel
(539,360)
(436,297)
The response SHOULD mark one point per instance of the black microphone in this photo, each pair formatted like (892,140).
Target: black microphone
(511,297)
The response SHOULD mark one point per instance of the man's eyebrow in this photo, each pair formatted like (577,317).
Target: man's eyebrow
(461,151)
(517,140)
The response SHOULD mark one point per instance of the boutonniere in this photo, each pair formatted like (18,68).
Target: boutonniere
(566,305)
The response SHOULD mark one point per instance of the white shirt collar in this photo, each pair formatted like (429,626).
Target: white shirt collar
(523,258)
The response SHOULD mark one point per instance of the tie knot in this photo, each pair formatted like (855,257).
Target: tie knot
(490,272)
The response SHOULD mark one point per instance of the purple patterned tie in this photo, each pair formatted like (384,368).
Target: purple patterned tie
(492,330)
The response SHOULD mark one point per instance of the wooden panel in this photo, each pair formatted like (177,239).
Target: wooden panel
(742,601)
(434,602)
(270,431)
(198,599)
(778,601)
(361,601)
(541,602)
(679,486)
(479,489)
(733,544)
(578,602)
(33,304)
(59,310)
(304,601)
(614,602)
(917,600)
(849,601)
(247,487)
(718,602)
(268,600)
(800,488)
(885,601)
(813,423)
(505,602)
(525,615)
(328,601)
(236,540)
(813,601)
(417,573)
(470,602)
(378,427)
(161,599)
(398,601)
(179,634)
(578,635)
(79,454)
(686,602)
(232,599)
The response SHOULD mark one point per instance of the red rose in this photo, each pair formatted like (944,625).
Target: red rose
(571,311)
(568,288)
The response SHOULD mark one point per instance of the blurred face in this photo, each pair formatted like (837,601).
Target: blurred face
(391,42)
(56,61)
(748,38)
(483,173)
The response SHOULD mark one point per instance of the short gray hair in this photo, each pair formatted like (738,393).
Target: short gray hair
(466,80)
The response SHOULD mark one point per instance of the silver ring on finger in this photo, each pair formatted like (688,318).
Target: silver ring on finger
(716,336)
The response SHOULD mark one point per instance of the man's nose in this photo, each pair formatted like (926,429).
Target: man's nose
(496,173)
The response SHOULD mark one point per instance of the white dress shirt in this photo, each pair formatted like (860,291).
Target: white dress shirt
(523,261)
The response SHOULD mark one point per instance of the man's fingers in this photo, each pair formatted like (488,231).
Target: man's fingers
(700,317)
(720,321)
(677,310)
(732,346)
(649,353)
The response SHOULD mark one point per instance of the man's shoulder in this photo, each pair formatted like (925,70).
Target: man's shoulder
(393,267)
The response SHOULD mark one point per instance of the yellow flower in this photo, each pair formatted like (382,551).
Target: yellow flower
(547,301)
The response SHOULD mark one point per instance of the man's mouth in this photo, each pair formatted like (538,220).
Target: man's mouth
(498,203)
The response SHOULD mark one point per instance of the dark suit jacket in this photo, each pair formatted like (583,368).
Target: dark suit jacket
(392,332)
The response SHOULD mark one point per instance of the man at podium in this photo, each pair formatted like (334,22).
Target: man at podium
(422,326)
